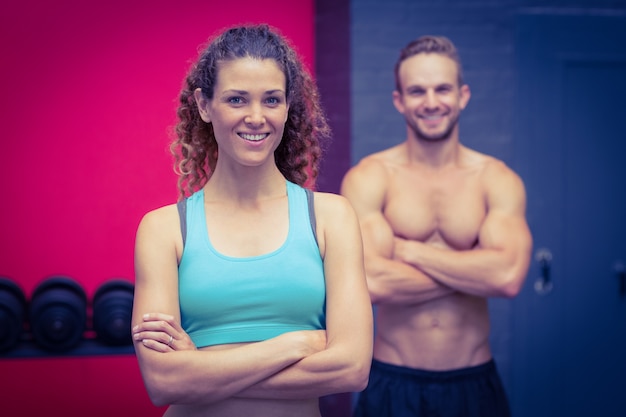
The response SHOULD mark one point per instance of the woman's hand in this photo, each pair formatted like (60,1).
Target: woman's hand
(162,333)
(310,341)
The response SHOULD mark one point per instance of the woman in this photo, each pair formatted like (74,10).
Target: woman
(250,295)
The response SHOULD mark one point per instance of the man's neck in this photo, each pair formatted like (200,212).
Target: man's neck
(433,153)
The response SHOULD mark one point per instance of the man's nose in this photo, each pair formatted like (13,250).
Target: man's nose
(430,99)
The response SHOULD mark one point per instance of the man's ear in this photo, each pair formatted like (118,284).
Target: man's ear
(397,101)
(203,105)
(464,96)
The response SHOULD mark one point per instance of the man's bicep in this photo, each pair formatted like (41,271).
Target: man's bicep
(365,190)
(504,231)
(506,193)
(505,228)
(377,236)
(506,210)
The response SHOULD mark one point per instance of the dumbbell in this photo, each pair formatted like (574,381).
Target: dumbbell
(12,313)
(58,313)
(112,311)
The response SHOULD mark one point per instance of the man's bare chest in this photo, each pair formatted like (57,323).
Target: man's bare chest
(445,211)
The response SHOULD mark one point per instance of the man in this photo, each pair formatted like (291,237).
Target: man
(444,228)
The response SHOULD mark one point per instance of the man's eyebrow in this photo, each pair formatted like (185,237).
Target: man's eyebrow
(422,87)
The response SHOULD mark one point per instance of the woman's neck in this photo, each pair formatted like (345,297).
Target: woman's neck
(245,184)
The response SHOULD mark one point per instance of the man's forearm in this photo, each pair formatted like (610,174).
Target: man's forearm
(481,272)
(397,282)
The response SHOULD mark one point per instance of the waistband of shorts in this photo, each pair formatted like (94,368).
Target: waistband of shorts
(447,375)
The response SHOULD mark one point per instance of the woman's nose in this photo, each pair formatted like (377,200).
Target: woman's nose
(255,117)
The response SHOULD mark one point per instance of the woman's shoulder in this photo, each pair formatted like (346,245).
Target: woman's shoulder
(170,212)
(160,229)
(160,218)
(332,205)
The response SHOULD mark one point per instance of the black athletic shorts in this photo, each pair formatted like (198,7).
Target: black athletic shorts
(396,391)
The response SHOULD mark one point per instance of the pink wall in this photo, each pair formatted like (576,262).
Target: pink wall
(88,94)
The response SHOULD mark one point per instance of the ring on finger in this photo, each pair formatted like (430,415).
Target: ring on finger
(169,343)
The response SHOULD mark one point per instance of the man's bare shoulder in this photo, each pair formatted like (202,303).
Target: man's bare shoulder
(501,184)
(382,161)
(366,183)
(490,166)
(496,170)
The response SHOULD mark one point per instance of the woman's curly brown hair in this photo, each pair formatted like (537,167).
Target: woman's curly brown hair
(298,155)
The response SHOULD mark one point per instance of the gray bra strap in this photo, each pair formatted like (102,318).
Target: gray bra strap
(182,214)
(309,199)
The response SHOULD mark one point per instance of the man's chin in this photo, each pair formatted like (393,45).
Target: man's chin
(433,137)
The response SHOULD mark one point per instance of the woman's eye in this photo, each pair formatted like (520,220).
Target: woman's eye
(235,100)
(273,100)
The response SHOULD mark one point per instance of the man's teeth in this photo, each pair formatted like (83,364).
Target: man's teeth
(253,137)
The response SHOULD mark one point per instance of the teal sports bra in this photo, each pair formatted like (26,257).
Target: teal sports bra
(233,300)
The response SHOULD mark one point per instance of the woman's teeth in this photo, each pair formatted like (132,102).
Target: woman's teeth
(253,137)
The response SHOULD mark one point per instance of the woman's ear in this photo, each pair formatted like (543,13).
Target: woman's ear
(203,105)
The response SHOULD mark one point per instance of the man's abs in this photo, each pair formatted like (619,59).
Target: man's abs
(447,333)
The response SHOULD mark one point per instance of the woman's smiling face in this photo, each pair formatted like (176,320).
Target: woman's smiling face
(248,110)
